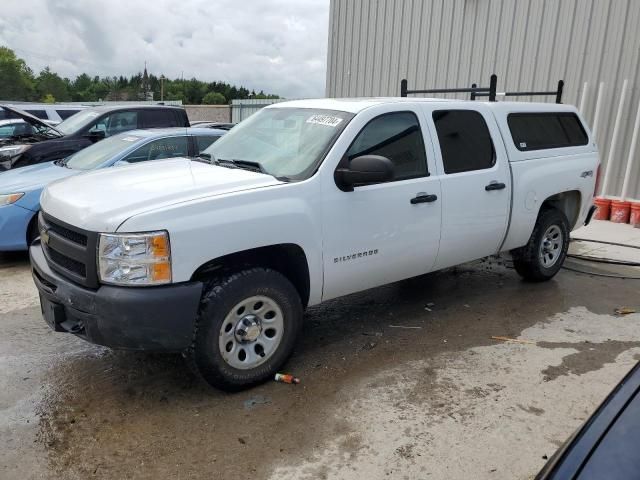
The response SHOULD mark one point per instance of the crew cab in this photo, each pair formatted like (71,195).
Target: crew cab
(303,202)
(45,143)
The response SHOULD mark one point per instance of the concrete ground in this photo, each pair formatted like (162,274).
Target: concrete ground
(403,381)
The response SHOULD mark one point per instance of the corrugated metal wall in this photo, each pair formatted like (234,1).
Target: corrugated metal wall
(373,44)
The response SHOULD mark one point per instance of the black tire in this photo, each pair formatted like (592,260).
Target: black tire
(218,299)
(527,260)
(32,230)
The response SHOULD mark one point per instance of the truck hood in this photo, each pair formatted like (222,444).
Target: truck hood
(33,177)
(102,200)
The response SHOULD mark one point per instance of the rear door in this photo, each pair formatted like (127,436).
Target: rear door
(475,182)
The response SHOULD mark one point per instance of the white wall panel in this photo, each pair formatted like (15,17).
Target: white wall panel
(532,44)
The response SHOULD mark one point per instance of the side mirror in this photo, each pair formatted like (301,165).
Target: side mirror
(364,170)
(95,135)
(120,163)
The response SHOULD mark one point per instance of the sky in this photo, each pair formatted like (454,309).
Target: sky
(279,46)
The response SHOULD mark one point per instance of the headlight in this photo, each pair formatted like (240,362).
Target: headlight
(8,199)
(13,150)
(134,258)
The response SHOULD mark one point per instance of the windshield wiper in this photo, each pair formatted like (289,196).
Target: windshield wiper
(243,164)
(61,162)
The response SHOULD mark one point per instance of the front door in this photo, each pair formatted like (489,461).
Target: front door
(385,232)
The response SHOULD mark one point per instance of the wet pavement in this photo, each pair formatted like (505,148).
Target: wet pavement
(441,399)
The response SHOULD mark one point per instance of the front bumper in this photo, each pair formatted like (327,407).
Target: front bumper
(131,318)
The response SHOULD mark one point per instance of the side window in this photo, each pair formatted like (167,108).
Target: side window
(5,114)
(538,131)
(64,114)
(465,141)
(19,128)
(116,122)
(204,142)
(398,137)
(41,114)
(159,149)
(158,118)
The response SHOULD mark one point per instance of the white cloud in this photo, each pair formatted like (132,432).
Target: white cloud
(278,46)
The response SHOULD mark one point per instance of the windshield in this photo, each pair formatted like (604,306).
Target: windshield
(98,153)
(286,142)
(77,121)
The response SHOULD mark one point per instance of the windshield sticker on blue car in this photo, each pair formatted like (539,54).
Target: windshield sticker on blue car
(327,120)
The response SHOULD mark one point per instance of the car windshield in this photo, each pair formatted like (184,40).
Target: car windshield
(284,142)
(98,153)
(77,121)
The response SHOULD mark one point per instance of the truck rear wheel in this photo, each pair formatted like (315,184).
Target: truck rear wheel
(246,329)
(543,256)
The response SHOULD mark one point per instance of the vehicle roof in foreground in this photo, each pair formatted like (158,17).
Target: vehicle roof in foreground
(356,105)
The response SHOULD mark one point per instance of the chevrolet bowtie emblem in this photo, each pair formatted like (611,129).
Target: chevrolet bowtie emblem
(44,236)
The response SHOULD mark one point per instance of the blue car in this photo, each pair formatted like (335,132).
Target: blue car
(20,189)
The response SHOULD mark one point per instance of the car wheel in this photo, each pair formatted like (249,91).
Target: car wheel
(542,257)
(247,326)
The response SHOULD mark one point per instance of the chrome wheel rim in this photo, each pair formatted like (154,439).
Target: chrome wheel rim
(551,246)
(251,332)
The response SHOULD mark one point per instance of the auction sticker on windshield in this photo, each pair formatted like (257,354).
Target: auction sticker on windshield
(327,120)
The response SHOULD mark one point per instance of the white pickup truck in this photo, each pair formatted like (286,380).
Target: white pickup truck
(303,202)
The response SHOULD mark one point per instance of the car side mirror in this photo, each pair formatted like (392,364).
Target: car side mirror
(120,163)
(95,135)
(364,170)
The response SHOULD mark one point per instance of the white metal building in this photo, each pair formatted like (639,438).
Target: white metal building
(593,45)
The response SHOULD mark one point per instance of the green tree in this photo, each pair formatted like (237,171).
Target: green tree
(16,79)
(48,98)
(214,98)
(49,82)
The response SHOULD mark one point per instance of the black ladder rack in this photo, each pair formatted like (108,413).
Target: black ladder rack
(489,91)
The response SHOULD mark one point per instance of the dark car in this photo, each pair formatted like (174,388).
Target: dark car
(45,143)
(607,446)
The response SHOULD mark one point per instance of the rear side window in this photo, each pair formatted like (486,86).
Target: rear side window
(41,114)
(64,114)
(465,141)
(158,149)
(204,142)
(398,137)
(539,131)
(6,114)
(153,118)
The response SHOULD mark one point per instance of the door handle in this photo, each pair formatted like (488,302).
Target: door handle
(423,198)
(495,186)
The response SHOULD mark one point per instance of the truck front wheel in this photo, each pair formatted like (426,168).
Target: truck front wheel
(543,256)
(246,329)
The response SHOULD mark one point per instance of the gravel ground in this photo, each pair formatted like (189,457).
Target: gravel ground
(441,399)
